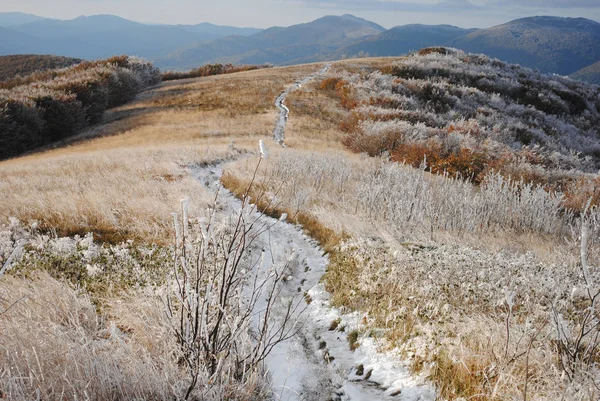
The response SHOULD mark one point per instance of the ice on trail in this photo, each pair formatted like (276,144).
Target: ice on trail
(317,364)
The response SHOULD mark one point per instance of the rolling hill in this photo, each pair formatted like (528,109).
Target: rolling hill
(550,44)
(589,74)
(8,20)
(13,42)
(399,284)
(216,31)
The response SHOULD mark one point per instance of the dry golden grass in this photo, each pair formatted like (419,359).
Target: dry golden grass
(327,238)
(122,179)
(54,346)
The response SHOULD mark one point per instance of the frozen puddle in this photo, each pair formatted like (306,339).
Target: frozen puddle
(284,112)
(317,364)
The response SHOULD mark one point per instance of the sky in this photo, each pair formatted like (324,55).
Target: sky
(266,13)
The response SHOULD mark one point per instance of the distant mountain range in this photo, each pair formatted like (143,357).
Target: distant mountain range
(101,36)
(550,44)
(277,45)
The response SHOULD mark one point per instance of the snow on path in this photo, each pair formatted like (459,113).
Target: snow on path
(317,364)
(284,112)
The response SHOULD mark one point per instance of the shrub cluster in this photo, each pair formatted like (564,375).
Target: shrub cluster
(52,105)
(209,70)
(467,114)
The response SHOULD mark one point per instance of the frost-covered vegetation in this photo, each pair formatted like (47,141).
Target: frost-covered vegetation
(52,105)
(410,199)
(109,322)
(467,115)
(482,288)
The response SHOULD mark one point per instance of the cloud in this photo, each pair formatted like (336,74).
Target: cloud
(394,5)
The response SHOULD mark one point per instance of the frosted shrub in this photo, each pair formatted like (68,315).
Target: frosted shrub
(223,299)
(82,261)
(410,198)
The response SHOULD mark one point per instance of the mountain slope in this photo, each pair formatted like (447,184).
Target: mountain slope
(589,74)
(12,42)
(328,31)
(550,44)
(8,20)
(277,45)
(401,40)
(101,36)
(211,30)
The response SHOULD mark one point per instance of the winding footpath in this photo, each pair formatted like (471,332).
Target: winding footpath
(284,112)
(317,363)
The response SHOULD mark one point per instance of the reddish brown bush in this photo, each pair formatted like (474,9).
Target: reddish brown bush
(329,84)
(465,163)
(432,50)
(581,191)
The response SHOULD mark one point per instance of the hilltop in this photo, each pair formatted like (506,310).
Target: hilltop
(277,45)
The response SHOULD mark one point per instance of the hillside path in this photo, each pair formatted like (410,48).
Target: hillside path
(317,364)
(284,112)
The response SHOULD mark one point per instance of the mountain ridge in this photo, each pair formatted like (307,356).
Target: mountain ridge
(550,44)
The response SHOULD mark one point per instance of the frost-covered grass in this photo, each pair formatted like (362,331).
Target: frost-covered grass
(56,344)
(409,200)
(101,322)
(433,260)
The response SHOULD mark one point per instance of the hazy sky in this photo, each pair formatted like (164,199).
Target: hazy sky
(265,13)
